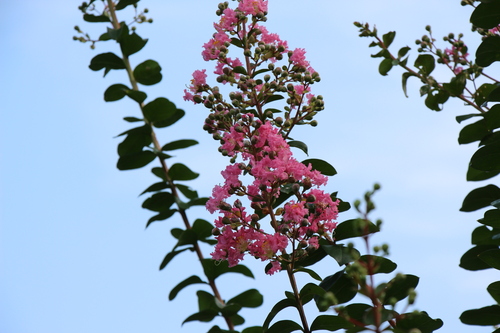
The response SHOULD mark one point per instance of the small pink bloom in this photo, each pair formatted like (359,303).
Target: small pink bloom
(276,267)
(228,20)
(252,7)
(299,58)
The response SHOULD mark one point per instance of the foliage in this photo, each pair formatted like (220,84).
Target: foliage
(470,83)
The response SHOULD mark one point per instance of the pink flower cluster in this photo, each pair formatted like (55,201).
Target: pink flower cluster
(457,56)
(268,159)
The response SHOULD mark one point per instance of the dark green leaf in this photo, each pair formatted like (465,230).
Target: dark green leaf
(341,253)
(240,70)
(187,192)
(388,38)
(284,303)
(159,202)
(488,51)
(491,257)
(159,110)
(330,323)
(435,99)
(253,329)
(203,316)
(480,198)
(124,3)
(159,172)
(487,316)
(169,257)
(356,311)
(179,171)
(456,85)
(492,117)
(198,202)
(214,269)
(137,96)
(156,187)
(487,158)
(399,287)
(418,320)
(484,236)
(425,63)
(298,144)
(309,291)
(187,282)
(202,228)
(491,218)
(385,66)
(115,92)
(466,116)
(148,73)
(378,264)
(311,273)
(486,15)
(132,119)
(322,166)
(470,260)
(135,160)
(273,98)
(354,228)
(206,301)
(94,18)
(248,299)
(179,144)
(482,94)
(284,326)
(341,285)
(403,51)
(108,61)
(161,216)
(311,258)
(478,175)
(188,237)
(137,138)
(406,75)
(132,43)
(494,290)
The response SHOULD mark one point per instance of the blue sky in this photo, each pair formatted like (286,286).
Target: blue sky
(74,253)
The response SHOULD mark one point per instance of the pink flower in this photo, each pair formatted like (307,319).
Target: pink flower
(253,7)
(227,21)
(276,267)
(295,211)
(298,58)
(211,49)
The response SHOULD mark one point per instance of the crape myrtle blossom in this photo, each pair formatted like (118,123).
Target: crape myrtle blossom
(262,169)
(267,158)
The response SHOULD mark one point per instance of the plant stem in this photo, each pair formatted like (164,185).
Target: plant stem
(300,307)
(157,147)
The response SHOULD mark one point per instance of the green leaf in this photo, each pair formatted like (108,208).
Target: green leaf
(115,92)
(354,228)
(94,18)
(108,61)
(418,320)
(159,110)
(137,96)
(124,3)
(492,116)
(312,258)
(487,158)
(356,311)
(207,301)
(486,15)
(491,257)
(488,51)
(248,299)
(155,187)
(135,160)
(341,285)
(187,192)
(284,303)
(399,287)
(480,198)
(435,99)
(406,75)
(284,326)
(159,202)
(213,269)
(187,282)
(330,323)
(378,264)
(311,273)
(322,166)
(137,138)
(202,228)
(188,237)
(161,216)
(203,316)
(179,144)
(403,51)
(310,291)
(273,98)
(494,290)
(478,175)
(385,66)
(178,114)
(171,255)
(388,38)
(487,316)
(466,116)
(132,43)
(473,132)
(132,119)
(341,253)
(491,218)
(482,93)
(240,70)
(484,236)
(470,260)
(179,171)
(456,85)
(425,63)
(298,144)
(148,73)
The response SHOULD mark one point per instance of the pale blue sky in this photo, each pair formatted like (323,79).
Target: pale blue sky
(74,253)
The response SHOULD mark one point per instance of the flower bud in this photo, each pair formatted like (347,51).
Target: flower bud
(215,232)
